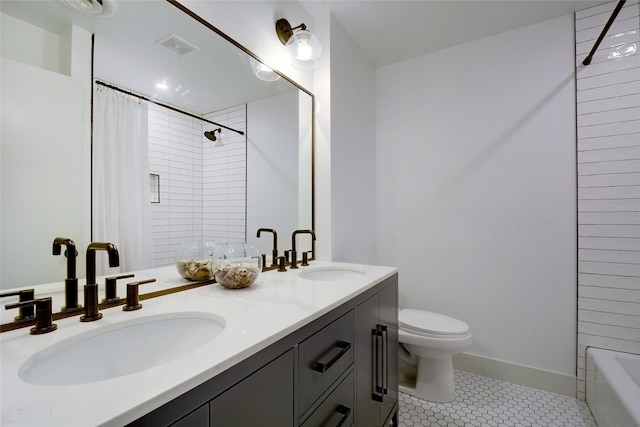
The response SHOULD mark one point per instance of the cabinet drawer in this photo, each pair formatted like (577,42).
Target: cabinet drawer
(337,409)
(323,357)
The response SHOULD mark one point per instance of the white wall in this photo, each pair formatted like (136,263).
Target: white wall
(31,167)
(476,195)
(353,156)
(608,95)
(37,73)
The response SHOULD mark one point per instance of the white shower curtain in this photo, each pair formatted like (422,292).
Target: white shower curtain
(121,213)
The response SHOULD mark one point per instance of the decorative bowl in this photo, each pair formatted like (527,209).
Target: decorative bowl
(194,260)
(237,265)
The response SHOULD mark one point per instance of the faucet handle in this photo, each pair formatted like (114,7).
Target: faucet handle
(133,297)
(26,312)
(111,290)
(44,318)
(282,264)
(305,258)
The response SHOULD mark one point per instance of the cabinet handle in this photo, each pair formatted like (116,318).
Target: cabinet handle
(385,359)
(340,349)
(377,366)
(345,412)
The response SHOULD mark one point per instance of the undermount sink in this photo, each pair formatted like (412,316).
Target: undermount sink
(120,349)
(331,274)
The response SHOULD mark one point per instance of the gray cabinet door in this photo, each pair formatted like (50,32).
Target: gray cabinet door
(389,318)
(265,398)
(377,357)
(367,409)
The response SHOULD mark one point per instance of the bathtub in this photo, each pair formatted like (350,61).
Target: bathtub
(613,387)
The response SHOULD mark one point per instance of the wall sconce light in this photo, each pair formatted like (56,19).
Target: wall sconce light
(303,47)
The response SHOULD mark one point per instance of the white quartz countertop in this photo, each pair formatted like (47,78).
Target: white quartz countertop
(255,317)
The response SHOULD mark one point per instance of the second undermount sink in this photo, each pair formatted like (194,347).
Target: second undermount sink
(331,274)
(120,349)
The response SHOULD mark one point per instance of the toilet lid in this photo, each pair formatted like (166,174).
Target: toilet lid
(431,323)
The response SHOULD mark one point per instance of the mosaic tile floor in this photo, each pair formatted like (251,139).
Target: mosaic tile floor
(484,402)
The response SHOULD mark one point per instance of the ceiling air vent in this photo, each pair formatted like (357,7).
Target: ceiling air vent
(177,45)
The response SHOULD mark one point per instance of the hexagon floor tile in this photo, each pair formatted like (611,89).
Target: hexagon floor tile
(484,402)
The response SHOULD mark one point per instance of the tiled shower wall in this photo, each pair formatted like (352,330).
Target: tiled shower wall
(202,183)
(225,178)
(608,108)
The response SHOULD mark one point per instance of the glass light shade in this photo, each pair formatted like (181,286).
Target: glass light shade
(305,50)
(263,72)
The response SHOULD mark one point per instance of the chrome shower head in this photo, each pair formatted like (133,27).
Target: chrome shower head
(211,134)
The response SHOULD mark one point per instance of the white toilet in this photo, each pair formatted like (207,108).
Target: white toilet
(428,342)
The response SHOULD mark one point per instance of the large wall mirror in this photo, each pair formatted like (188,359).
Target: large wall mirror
(223,144)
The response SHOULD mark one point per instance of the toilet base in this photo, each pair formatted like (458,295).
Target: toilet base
(435,381)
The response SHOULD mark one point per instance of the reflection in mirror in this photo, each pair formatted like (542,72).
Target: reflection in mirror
(188,187)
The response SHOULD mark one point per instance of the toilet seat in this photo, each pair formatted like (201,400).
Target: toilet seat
(430,324)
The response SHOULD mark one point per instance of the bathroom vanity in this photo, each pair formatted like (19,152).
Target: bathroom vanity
(308,347)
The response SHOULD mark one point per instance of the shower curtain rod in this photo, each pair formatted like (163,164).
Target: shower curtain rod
(170,107)
(587,60)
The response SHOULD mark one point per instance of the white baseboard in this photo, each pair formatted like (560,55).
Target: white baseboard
(517,374)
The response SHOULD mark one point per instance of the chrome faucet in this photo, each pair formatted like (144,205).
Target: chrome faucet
(294,255)
(91,312)
(71,282)
(274,251)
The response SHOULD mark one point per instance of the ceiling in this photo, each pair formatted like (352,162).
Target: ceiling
(129,55)
(390,31)
(387,31)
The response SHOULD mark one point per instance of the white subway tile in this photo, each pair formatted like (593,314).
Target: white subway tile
(608,230)
(604,80)
(611,154)
(619,282)
(620,166)
(609,110)
(611,91)
(610,180)
(612,294)
(609,268)
(599,193)
(631,127)
(609,218)
(609,318)
(591,28)
(610,205)
(610,331)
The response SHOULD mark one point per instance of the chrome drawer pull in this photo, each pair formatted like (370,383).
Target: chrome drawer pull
(341,347)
